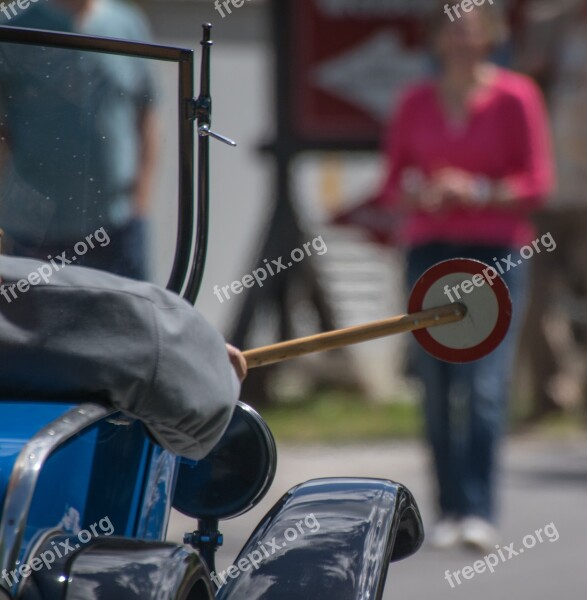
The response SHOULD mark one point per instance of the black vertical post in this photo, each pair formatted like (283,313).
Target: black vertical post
(202,109)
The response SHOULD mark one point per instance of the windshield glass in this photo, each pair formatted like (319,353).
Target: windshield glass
(88,159)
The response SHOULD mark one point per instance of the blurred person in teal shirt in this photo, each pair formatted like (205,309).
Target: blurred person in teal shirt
(79,133)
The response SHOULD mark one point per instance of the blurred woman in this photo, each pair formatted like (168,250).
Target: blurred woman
(469,160)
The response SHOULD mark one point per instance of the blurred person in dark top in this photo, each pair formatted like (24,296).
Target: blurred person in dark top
(469,160)
(79,138)
(554,51)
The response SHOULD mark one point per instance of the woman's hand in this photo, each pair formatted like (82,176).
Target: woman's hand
(449,187)
(444,189)
(238,361)
(452,186)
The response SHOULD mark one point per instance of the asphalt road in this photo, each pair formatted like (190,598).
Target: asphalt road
(544,482)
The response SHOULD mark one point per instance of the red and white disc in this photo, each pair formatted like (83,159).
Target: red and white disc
(489,309)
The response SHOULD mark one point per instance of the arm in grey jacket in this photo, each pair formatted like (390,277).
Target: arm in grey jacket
(86,334)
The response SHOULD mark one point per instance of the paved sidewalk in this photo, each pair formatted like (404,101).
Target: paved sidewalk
(544,482)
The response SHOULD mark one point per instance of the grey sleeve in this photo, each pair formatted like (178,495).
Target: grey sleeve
(87,335)
(194,387)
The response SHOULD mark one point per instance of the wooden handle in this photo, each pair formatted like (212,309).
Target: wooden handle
(450,313)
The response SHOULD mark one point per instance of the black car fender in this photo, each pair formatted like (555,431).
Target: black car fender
(326,538)
(119,569)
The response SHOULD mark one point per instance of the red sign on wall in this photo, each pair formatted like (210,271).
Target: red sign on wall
(350,61)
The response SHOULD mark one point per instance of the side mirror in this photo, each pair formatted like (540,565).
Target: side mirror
(235,476)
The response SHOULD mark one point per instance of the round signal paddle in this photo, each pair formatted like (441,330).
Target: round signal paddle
(459,325)
(489,309)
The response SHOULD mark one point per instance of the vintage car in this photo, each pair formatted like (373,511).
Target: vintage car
(87,494)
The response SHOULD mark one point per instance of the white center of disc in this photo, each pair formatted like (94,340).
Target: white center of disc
(482,310)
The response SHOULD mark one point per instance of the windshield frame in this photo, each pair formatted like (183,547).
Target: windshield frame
(183,262)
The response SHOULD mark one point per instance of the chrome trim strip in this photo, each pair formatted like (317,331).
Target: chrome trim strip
(162,474)
(27,470)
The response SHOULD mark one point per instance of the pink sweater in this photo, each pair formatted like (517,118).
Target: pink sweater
(506,138)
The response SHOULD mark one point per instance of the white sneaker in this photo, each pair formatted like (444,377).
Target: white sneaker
(445,534)
(479,534)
